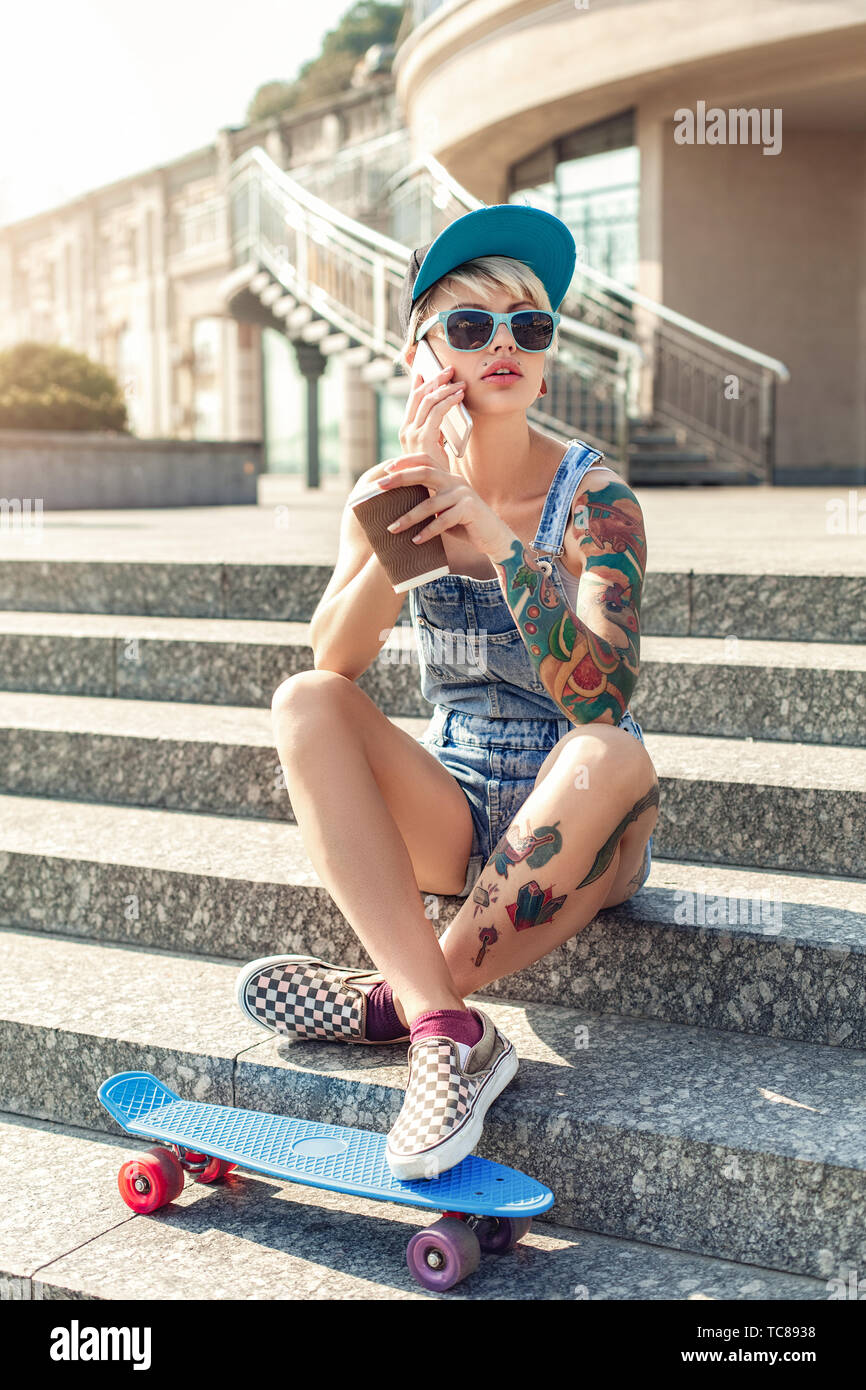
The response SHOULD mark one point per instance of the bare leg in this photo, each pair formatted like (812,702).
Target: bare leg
(334,744)
(586,821)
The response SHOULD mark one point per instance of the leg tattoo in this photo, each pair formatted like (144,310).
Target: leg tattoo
(605,854)
(535,846)
(534,907)
(536,898)
(638,877)
(483,897)
(487,936)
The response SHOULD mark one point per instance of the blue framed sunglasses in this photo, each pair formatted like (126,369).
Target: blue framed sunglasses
(470,330)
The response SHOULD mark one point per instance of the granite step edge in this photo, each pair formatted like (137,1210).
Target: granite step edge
(782,955)
(626,1155)
(733,761)
(810,605)
(294,1247)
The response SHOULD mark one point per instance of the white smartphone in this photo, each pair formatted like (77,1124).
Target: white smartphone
(457,422)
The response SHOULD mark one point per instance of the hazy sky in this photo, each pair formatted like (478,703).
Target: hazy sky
(94,91)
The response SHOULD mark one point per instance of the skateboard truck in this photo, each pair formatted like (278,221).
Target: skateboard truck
(189,1160)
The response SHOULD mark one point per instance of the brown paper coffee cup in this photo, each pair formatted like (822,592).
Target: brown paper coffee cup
(407,565)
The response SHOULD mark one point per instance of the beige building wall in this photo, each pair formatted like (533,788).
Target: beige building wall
(123,272)
(772,251)
(768,249)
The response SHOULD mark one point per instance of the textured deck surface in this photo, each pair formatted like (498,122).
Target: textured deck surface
(319,1155)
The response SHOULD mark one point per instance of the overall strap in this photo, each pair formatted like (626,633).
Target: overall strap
(554,518)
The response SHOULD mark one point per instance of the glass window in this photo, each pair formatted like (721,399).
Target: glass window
(597,197)
(285,403)
(207,378)
(590,178)
(128,372)
(206,345)
(208,415)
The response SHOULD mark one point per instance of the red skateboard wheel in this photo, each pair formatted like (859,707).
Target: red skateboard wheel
(216,1168)
(151,1180)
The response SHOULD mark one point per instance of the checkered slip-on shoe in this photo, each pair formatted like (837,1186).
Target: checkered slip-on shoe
(302,997)
(445,1102)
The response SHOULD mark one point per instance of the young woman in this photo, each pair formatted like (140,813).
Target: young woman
(531,789)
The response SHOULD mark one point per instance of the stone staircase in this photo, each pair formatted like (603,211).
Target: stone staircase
(693,1065)
(661,457)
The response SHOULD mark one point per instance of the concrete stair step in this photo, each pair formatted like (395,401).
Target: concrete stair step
(763,804)
(775,954)
(652,439)
(677,457)
(804,606)
(812,692)
(740,688)
(252,1237)
(848,475)
(651,470)
(218,758)
(206,660)
(170,588)
(738,1147)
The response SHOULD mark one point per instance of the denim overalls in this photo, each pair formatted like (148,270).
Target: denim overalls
(494,723)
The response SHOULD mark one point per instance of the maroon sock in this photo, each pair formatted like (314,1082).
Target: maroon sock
(383,1021)
(462,1025)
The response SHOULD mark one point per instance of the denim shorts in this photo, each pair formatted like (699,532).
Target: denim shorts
(496,762)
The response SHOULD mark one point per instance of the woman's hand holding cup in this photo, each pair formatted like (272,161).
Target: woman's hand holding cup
(376,507)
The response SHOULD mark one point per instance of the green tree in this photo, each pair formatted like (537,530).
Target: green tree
(270,99)
(368,22)
(48,387)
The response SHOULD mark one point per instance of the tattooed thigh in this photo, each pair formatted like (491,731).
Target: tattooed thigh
(614,769)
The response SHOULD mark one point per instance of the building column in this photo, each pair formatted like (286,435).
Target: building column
(156,223)
(358,425)
(311,365)
(649,134)
(276,145)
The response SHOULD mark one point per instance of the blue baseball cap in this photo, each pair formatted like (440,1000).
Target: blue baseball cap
(540,240)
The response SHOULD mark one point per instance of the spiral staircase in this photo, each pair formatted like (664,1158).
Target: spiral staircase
(639,381)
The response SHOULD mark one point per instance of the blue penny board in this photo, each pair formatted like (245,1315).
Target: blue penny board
(317,1155)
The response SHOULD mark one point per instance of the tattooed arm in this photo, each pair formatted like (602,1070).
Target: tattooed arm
(588,660)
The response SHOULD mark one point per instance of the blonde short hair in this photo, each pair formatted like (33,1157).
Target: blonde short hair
(476,279)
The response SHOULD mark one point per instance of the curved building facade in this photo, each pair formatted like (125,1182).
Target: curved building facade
(712,156)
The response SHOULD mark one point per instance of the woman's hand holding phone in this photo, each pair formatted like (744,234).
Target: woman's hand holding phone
(452,503)
(427,405)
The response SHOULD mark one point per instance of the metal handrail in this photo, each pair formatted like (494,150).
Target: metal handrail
(658,365)
(700,330)
(352,275)
(389,247)
(314,205)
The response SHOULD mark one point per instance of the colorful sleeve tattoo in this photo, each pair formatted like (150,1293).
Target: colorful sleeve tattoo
(588,664)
